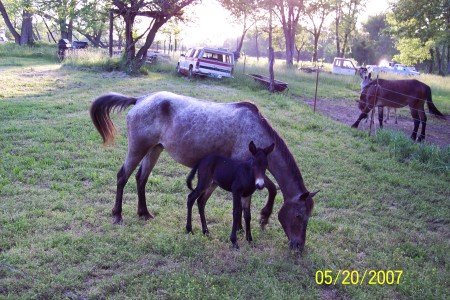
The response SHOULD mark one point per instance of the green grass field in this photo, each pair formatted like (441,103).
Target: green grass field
(57,187)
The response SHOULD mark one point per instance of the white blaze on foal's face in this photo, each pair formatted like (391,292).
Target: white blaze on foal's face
(259,183)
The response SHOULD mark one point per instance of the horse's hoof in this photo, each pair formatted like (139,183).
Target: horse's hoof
(235,246)
(206,232)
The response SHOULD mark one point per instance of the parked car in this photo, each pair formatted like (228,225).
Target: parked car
(209,62)
(392,67)
(344,66)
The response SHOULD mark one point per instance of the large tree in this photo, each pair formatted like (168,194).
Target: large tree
(316,11)
(346,17)
(25,37)
(429,21)
(288,13)
(245,13)
(158,11)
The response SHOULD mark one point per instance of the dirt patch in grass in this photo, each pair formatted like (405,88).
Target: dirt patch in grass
(347,112)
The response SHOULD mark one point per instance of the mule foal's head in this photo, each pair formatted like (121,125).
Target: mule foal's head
(260,162)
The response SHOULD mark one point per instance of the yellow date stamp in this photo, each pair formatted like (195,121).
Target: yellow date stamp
(355,277)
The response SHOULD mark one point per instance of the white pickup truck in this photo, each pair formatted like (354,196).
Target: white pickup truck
(391,67)
(211,62)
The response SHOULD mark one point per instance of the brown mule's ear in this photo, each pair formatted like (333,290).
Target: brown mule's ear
(269,149)
(252,147)
(370,75)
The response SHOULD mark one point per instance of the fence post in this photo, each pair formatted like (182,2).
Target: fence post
(373,109)
(317,83)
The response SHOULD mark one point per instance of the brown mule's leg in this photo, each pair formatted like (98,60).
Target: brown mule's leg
(415,116)
(363,115)
(130,164)
(266,211)
(142,175)
(380,115)
(423,119)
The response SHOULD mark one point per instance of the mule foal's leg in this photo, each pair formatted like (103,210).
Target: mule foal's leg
(201,203)
(144,171)
(124,173)
(423,120)
(245,202)
(190,202)
(236,215)
(266,211)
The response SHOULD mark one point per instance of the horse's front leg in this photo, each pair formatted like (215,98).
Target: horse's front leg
(245,202)
(236,207)
(266,211)
(142,175)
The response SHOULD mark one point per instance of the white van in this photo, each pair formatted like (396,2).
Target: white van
(209,62)
(344,66)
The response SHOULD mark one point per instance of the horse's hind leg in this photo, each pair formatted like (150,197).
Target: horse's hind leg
(266,211)
(142,175)
(423,120)
(130,164)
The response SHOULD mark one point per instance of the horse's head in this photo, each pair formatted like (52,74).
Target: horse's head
(363,72)
(260,162)
(294,216)
(366,80)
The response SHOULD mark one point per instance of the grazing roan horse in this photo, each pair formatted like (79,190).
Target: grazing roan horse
(189,129)
(242,178)
(397,94)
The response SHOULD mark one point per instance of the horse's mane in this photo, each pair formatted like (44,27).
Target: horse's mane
(280,144)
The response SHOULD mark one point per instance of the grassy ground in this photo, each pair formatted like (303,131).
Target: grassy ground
(57,187)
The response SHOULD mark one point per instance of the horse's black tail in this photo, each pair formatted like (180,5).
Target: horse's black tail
(432,108)
(191,176)
(102,107)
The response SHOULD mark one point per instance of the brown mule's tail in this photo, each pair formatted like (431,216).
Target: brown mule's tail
(100,110)
(432,108)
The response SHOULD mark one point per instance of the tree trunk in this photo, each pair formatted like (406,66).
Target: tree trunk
(271,57)
(439,61)
(256,43)
(26,36)
(430,66)
(9,24)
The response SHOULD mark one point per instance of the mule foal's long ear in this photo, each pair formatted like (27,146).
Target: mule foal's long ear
(269,149)
(314,193)
(252,147)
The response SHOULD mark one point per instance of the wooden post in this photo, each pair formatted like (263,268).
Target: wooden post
(317,83)
(373,109)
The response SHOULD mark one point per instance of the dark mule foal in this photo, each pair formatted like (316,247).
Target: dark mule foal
(241,178)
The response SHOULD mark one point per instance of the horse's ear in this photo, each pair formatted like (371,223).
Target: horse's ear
(370,75)
(304,196)
(252,147)
(269,149)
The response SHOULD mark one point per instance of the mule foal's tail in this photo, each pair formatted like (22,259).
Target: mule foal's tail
(102,107)
(432,108)
(191,176)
